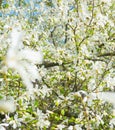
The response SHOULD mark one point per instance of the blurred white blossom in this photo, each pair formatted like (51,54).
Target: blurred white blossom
(7,105)
(106,96)
(23,59)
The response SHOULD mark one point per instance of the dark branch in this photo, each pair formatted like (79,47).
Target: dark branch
(94,59)
(49,64)
(52,64)
(107,54)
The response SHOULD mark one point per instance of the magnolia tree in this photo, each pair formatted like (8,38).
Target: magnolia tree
(57,65)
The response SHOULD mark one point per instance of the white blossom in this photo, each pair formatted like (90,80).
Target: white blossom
(60,127)
(112,123)
(102,20)
(42,120)
(85,51)
(16,122)
(70,128)
(105,96)
(77,127)
(110,81)
(99,120)
(45,91)
(3,125)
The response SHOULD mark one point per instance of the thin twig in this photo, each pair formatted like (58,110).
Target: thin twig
(92,13)
(94,59)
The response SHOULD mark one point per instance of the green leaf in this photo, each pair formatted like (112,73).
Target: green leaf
(63,112)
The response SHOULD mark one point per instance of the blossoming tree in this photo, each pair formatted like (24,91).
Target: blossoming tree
(57,65)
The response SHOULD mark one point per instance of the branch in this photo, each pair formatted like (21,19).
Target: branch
(52,89)
(94,59)
(49,64)
(92,13)
(83,40)
(107,54)
(52,33)
(52,64)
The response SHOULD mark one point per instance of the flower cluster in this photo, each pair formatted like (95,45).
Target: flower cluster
(63,52)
